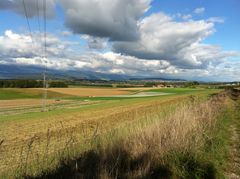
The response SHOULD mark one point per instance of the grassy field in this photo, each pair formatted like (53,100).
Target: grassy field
(34,141)
(27,93)
(7,94)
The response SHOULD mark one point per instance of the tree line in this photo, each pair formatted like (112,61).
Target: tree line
(31,84)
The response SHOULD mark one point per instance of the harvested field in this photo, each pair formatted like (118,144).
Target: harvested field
(86,92)
(21,106)
(17,103)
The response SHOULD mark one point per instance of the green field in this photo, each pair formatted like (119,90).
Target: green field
(7,94)
(27,93)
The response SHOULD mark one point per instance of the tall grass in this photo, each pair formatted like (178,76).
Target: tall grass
(179,143)
(168,148)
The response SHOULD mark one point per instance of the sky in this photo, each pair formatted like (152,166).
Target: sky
(187,39)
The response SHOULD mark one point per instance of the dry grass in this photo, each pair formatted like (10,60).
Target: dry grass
(183,131)
(148,149)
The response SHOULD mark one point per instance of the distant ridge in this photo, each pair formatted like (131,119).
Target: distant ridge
(11,71)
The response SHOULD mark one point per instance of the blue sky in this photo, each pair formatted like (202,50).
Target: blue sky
(191,39)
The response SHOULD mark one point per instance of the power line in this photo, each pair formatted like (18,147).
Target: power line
(26,16)
(38,18)
(45,29)
(39,29)
(45,84)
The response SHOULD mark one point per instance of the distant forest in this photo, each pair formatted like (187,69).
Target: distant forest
(31,84)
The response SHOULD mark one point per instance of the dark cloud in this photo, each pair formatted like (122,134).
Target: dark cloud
(113,19)
(96,43)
